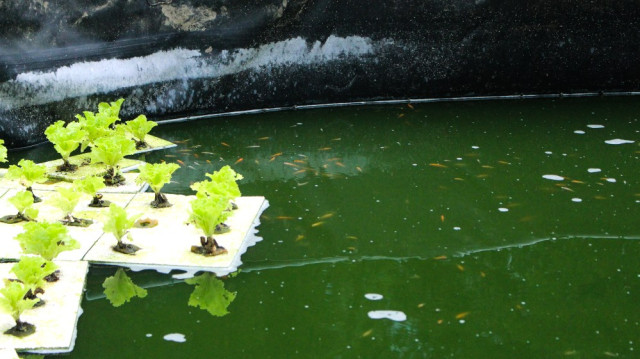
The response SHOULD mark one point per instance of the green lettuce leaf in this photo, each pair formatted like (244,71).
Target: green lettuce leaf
(139,127)
(89,185)
(12,299)
(117,222)
(46,239)
(111,150)
(66,199)
(156,175)
(3,152)
(65,139)
(209,211)
(32,271)
(27,172)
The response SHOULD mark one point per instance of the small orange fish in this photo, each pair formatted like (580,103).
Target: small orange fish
(317,224)
(401,115)
(300,171)
(439,321)
(284,217)
(196,155)
(326,215)
(264,138)
(460,268)
(487,166)
(299,237)
(462,315)
(351,237)
(351,248)
(577,181)
(180,162)
(333,159)
(300,161)
(420,305)
(340,164)
(409,105)
(504,162)
(442,218)
(208,161)
(239,160)
(439,258)
(170,156)
(324,149)
(182,141)
(291,164)
(225,144)
(358,168)
(482,175)
(367,333)
(437,165)
(483,274)
(458,179)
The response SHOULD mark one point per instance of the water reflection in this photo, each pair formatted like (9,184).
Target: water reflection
(209,293)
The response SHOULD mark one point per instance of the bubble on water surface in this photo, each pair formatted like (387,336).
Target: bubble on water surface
(475,147)
(593,170)
(548,152)
(579,132)
(149,335)
(618,141)
(175,337)
(576,199)
(503,209)
(395,315)
(456,228)
(612,180)
(595,126)
(373,296)
(553,177)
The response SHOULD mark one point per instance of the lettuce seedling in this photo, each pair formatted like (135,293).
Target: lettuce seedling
(222,183)
(28,173)
(46,239)
(210,294)
(3,152)
(157,175)
(110,151)
(32,271)
(110,110)
(119,288)
(22,201)
(66,199)
(95,127)
(13,302)
(65,140)
(119,224)
(139,127)
(91,186)
(207,212)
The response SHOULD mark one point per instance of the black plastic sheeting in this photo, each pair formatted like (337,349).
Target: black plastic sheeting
(175,58)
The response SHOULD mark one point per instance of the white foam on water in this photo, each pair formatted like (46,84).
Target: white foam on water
(395,315)
(612,180)
(503,209)
(456,228)
(175,337)
(548,152)
(373,296)
(595,126)
(593,170)
(576,199)
(553,177)
(475,147)
(579,132)
(618,141)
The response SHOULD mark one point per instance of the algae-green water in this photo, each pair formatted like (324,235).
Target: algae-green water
(493,229)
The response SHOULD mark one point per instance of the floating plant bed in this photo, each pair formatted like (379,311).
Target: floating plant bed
(86,236)
(167,245)
(8,353)
(129,186)
(86,169)
(55,322)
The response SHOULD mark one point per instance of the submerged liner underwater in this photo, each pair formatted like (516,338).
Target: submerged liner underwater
(173,59)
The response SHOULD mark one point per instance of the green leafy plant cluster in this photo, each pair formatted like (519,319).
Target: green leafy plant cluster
(139,127)
(3,152)
(91,185)
(221,183)
(118,223)
(119,288)
(27,173)
(66,199)
(46,239)
(207,212)
(66,139)
(33,271)
(110,151)
(12,301)
(157,175)
(23,201)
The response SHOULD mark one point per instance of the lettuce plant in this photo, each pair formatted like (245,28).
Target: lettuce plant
(13,302)
(91,185)
(3,152)
(222,183)
(33,271)
(110,110)
(46,239)
(95,127)
(207,212)
(22,201)
(210,294)
(110,151)
(28,173)
(139,127)
(66,199)
(118,224)
(65,140)
(157,175)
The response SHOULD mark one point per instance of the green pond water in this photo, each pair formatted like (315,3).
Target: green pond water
(439,213)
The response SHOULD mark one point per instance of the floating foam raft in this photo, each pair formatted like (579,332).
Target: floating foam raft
(167,246)
(55,321)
